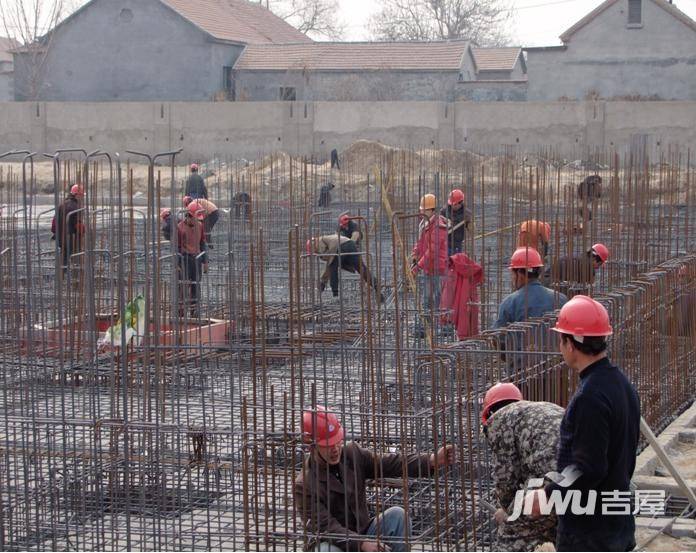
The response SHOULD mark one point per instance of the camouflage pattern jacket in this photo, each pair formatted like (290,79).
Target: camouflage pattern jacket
(523,438)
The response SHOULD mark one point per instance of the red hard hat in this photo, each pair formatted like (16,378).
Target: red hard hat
(343,220)
(194,167)
(601,251)
(502,391)
(583,316)
(76,190)
(526,258)
(455,197)
(195,209)
(187,200)
(165,212)
(321,427)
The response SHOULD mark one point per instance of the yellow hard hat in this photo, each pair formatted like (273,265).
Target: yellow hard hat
(428,202)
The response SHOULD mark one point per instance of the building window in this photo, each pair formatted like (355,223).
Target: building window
(288,93)
(228,82)
(635,15)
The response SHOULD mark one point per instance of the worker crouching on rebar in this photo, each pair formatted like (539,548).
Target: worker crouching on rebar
(68,228)
(330,491)
(429,262)
(192,257)
(598,440)
(573,274)
(523,439)
(340,252)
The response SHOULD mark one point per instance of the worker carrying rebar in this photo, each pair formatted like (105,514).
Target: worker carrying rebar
(67,226)
(523,439)
(429,262)
(530,298)
(598,441)
(211,216)
(569,272)
(195,185)
(192,259)
(330,490)
(349,228)
(339,252)
(458,221)
(535,234)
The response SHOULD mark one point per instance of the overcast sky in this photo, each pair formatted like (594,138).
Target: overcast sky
(535,22)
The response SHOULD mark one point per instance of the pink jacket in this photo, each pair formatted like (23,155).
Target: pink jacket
(430,252)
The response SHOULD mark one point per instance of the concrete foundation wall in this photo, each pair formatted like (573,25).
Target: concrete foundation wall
(613,60)
(139,50)
(247,129)
(492,91)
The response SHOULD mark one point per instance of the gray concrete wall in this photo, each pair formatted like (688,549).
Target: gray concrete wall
(345,86)
(156,55)
(491,91)
(249,129)
(609,59)
(6,86)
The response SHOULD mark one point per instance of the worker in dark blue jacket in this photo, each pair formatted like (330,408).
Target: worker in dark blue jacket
(598,438)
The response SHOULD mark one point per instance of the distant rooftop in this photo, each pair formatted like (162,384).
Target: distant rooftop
(347,56)
(496,59)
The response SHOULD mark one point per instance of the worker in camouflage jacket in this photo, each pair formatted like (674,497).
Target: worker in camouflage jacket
(523,438)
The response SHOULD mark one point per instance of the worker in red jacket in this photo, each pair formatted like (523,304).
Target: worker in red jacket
(460,300)
(430,261)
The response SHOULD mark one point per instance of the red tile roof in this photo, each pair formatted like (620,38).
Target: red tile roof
(496,59)
(237,21)
(346,56)
(669,8)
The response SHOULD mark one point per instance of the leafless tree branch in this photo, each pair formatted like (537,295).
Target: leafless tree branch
(317,18)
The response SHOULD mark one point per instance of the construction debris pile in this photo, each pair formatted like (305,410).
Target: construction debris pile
(132,422)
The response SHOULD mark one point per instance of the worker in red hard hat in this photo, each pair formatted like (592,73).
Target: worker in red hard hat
(523,439)
(67,225)
(192,257)
(211,216)
(330,491)
(349,228)
(195,185)
(599,436)
(458,221)
(530,298)
(574,273)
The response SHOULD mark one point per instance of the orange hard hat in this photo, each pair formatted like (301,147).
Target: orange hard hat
(601,251)
(455,197)
(196,210)
(321,427)
(187,200)
(502,391)
(165,212)
(428,201)
(583,316)
(194,167)
(526,258)
(343,220)
(77,190)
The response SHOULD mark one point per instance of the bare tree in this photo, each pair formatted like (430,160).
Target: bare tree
(484,22)
(317,18)
(29,23)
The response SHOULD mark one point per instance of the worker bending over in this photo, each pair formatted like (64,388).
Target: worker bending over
(430,261)
(328,248)
(330,491)
(459,219)
(599,435)
(535,234)
(568,272)
(530,298)
(350,229)
(523,439)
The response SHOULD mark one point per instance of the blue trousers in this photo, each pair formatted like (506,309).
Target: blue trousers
(392,530)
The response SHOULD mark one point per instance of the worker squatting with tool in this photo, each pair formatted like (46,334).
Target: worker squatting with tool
(330,490)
